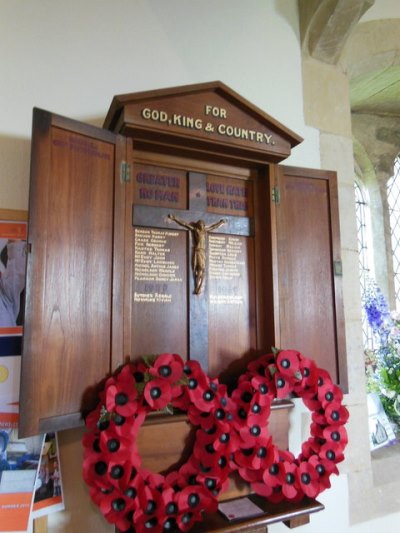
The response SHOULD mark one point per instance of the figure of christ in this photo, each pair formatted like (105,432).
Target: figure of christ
(199,232)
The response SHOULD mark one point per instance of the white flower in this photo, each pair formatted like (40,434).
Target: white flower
(395,332)
(395,315)
(389,393)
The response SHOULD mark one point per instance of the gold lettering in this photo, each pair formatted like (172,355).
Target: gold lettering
(218,112)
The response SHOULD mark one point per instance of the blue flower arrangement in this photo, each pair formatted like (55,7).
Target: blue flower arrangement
(383,361)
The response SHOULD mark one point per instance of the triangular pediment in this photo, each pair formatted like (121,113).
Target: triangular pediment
(210,115)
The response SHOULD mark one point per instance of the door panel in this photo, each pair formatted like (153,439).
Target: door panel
(67,332)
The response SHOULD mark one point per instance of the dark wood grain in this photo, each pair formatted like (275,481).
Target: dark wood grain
(69,273)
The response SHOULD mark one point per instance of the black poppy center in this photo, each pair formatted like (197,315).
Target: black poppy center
(290,478)
(222,462)
(255,430)
(208,395)
(151,507)
(121,398)
(247,451)
(171,508)
(165,371)
(131,492)
(330,454)
(224,437)
(210,448)
(219,414)
(186,518)
(151,523)
(192,383)
(246,397)
(169,524)
(242,413)
(100,468)
(119,420)
(285,363)
(117,472)
(273,469)
(118,505)
(193,500)
(280,383)
(113,445)
(155,393)
(305,478)
(262,452)
(210,483)
(329,396)
(103,425)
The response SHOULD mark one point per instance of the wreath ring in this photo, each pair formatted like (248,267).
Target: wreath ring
(274,473)
(127,494)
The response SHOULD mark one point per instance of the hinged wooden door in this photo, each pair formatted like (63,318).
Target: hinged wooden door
(308,276)
(73,319)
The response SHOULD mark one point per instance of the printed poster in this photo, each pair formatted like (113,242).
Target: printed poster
(19,463)
(13,237)
(48,497)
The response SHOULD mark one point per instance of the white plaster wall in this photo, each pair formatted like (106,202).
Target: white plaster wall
(73,57)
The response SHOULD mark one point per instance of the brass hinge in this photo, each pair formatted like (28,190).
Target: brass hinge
(276,195)
(338,268)
(125,172)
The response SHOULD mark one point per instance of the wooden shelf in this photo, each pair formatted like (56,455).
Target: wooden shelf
(291,514)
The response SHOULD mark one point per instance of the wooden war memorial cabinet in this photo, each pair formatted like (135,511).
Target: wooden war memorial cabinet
(119,214)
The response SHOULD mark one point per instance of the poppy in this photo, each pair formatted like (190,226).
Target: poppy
(121,393)
(288,364)
(307,386)
(329,393)
(324,468)
(260,365)
(92,419)
(290,487)
(115,507)
(336,435)
(167,366)
(273,476)
(158,393)
(309,448)
(265,387)
(336,413)
(332,451)
(284,385)
(308,479)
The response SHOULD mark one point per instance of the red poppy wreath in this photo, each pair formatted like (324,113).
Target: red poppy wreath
(274,473)
(231,434)
(127,494)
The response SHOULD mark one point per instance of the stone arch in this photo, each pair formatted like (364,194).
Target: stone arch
(326,25)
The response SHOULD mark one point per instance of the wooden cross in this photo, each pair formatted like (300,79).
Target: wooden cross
(159,217)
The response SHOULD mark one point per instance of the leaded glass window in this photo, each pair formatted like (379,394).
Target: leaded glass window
(364,253)
(393,196)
